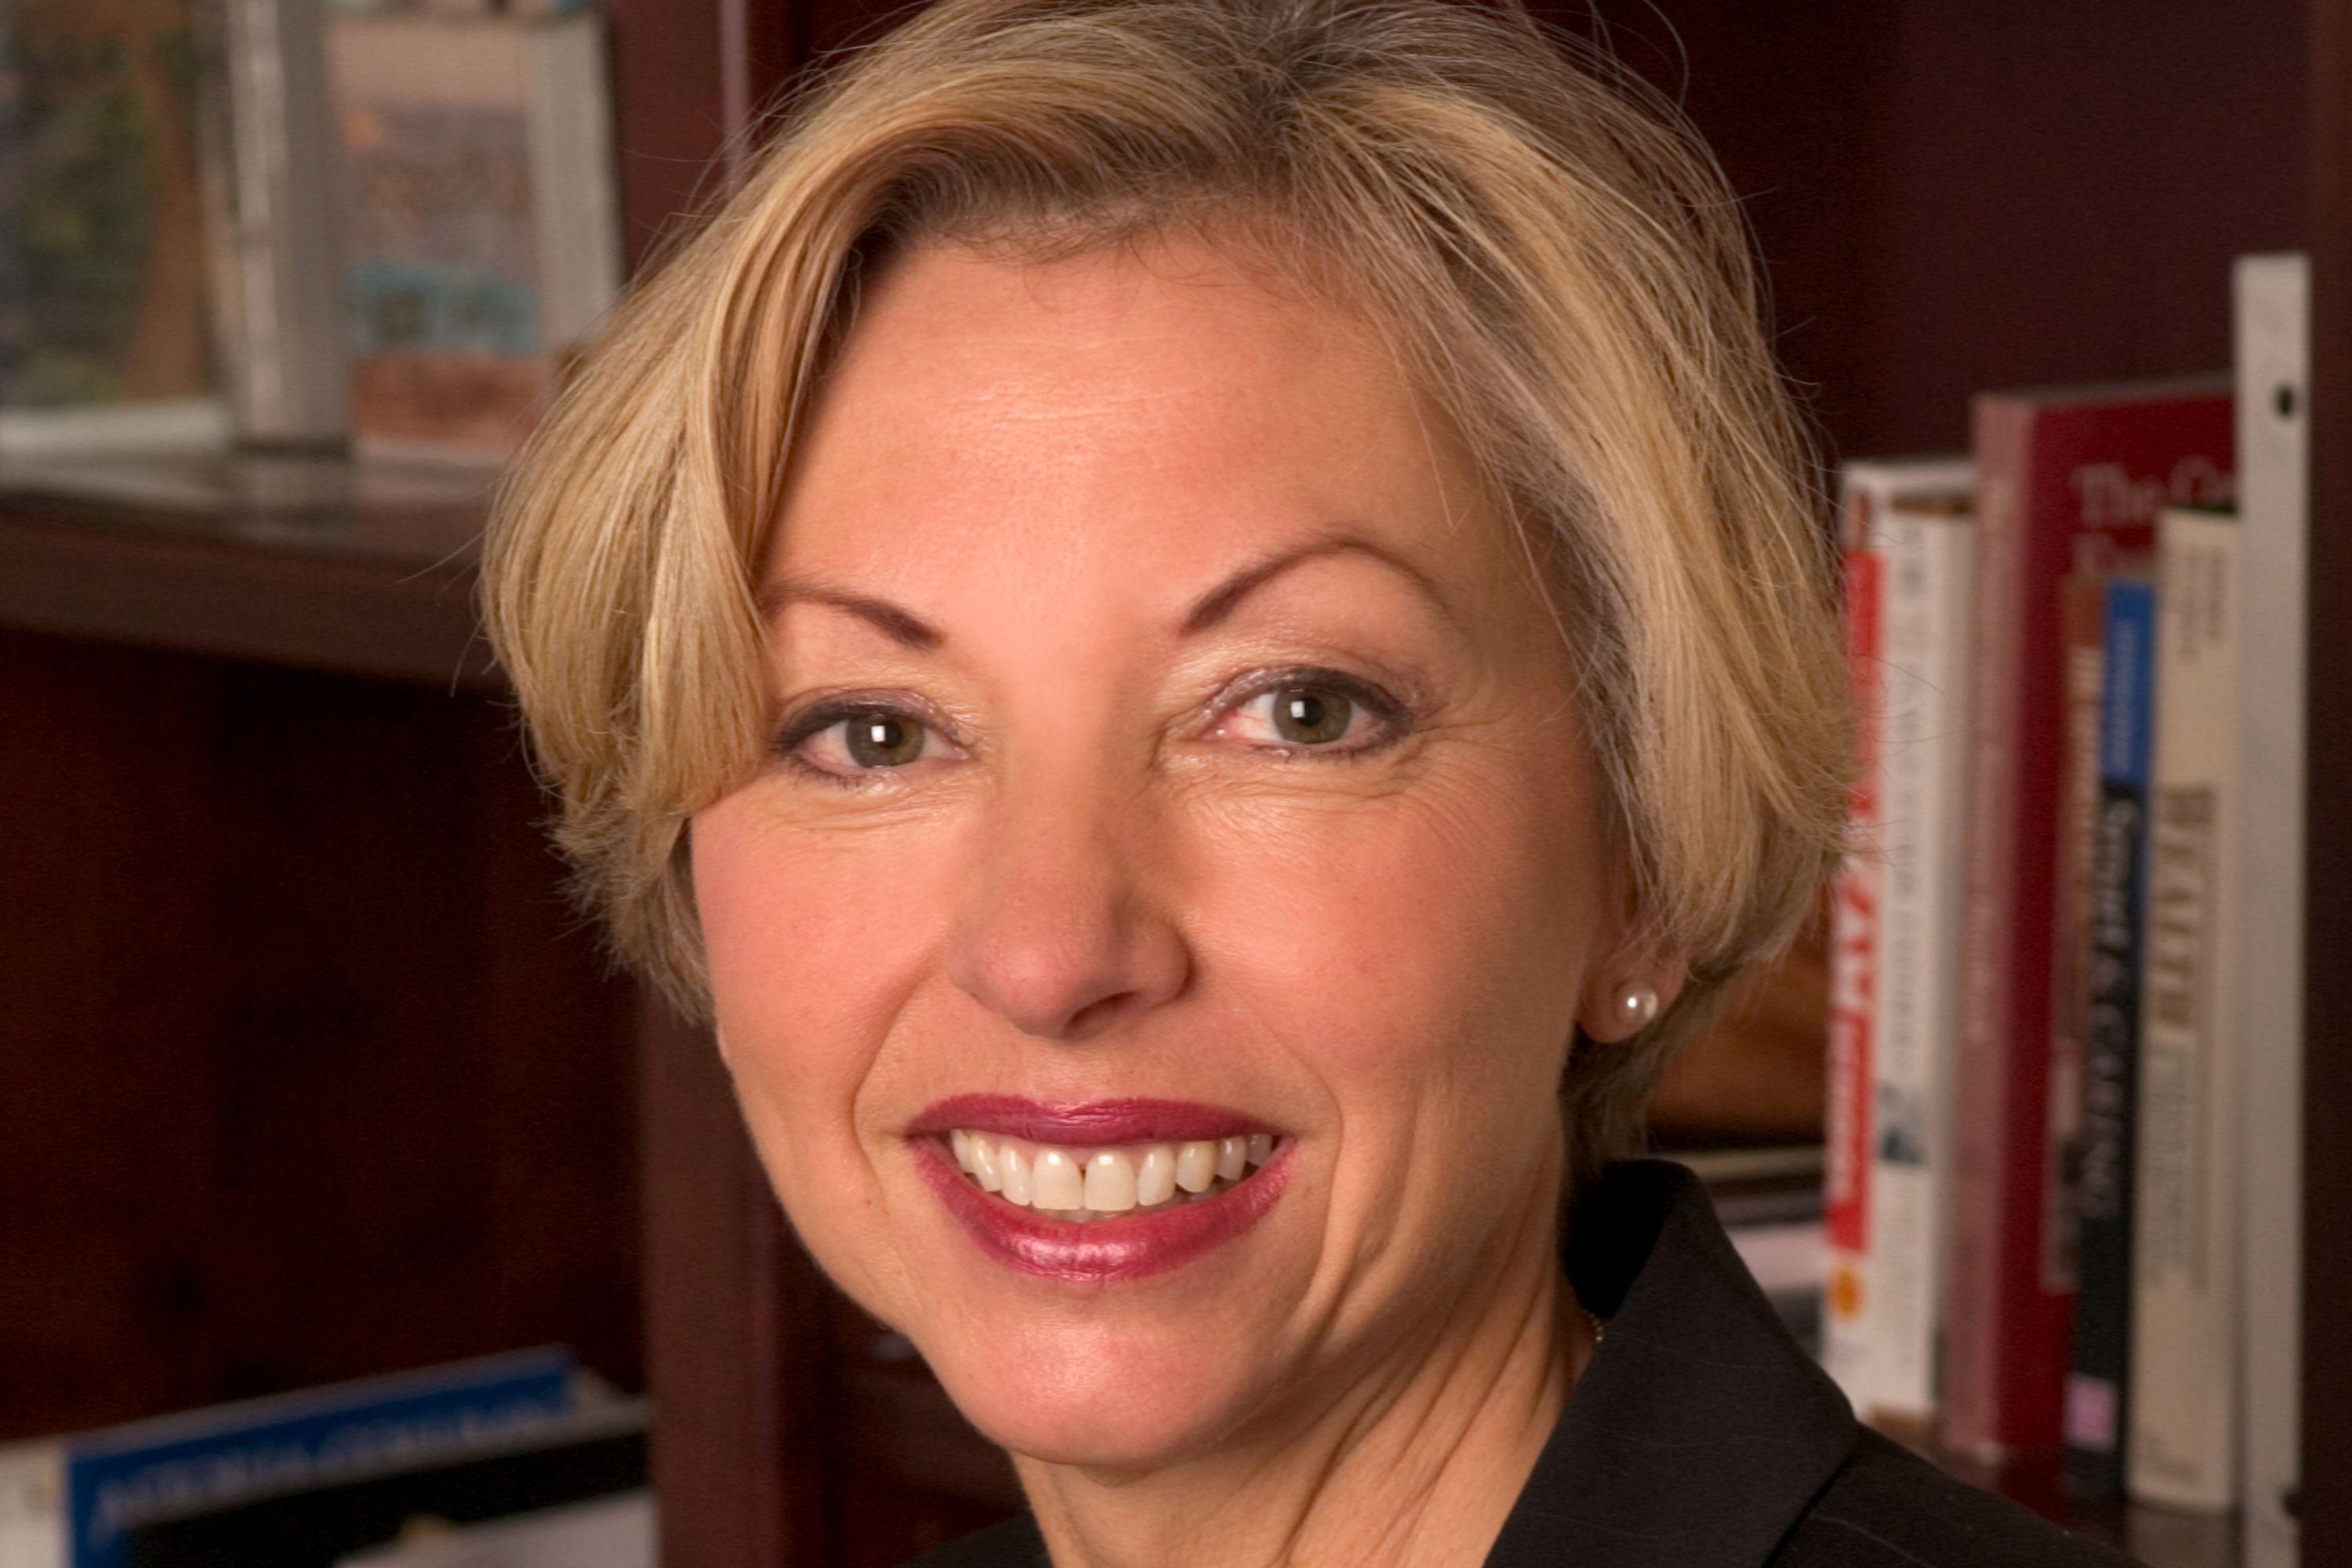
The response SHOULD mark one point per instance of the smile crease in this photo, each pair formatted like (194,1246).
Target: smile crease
(1104,1182)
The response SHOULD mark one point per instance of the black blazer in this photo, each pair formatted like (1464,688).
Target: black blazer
(1701,1433)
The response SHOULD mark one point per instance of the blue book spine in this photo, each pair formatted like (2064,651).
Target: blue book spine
(126,1475)
(2097,1388)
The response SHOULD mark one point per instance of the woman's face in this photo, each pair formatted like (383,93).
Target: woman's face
(1170,750)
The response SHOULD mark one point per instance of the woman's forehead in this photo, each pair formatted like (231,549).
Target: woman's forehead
(1165,404)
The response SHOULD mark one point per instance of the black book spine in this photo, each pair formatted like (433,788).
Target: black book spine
(2098,1386)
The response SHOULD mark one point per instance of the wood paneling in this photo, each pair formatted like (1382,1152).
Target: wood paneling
(1952,197)
(744,1451)
(308,1072)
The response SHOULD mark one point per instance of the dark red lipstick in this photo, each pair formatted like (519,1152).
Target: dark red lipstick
(1111,1247)
(1131,1247)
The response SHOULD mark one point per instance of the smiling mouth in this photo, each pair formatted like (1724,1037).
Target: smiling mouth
(1106,1181)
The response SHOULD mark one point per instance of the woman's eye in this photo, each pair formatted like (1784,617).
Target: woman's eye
(1325,713)
(1305,715)
(882,740)
(839,745)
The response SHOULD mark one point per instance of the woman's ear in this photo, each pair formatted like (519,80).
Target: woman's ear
(1625,996)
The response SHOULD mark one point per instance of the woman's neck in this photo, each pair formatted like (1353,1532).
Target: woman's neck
(1418,1462)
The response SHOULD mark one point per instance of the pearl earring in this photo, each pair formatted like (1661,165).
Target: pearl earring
(1636,1005)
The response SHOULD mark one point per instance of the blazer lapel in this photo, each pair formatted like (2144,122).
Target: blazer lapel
(1700,1429)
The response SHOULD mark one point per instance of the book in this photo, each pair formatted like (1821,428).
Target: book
(2065,477)
(32,1505)
(1882,1306)
(2182,1451)
(105,1484)
(270,179)
(609,1533)
(2100,1164)
(597,1452)
(1867,487)
(1929,651)
(104,323)
(2082,601)
(1853,1003)
(485,238)
(2273,353)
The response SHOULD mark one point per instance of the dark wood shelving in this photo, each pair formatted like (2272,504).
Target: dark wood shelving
(384,594)
(311,1071)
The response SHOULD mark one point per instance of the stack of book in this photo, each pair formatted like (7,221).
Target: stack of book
(268,225)
(2063,1189)
(521,1460)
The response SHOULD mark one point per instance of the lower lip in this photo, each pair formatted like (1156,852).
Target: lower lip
(1098,1250)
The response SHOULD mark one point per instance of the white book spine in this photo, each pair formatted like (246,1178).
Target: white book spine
(2183,1451)
(1869,487)
(2273,332)
(575,198)
(272,204)
(1930,581)
(1894,945)
(33,1504)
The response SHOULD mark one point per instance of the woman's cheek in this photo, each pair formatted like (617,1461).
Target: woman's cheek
(1382,936)
(796,1072)
(799,980)
(806,930)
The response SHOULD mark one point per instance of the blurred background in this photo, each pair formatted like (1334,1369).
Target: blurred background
(309,1074)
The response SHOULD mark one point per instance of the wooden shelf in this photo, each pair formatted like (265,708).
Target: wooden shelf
(384,592)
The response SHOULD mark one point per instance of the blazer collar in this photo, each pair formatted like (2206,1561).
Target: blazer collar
(1700,1429)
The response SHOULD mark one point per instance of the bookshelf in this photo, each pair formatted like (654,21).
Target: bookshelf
(287,1128)
(1951,197)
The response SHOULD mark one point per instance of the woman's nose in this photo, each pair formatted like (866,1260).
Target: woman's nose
(1064,930)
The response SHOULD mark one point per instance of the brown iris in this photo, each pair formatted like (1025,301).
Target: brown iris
(883,740)
(1306,715)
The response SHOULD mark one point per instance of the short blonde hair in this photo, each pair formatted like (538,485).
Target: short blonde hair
(1555,255)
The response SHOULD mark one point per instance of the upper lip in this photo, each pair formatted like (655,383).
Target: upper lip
(1130,1120)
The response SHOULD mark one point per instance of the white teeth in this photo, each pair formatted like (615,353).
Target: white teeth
(1056,1182)
(1155,1179)
(1086,1185)
(1110,1183)
(1012,1166)
(1196,1166)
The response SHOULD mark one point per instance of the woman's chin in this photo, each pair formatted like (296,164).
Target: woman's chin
(1086,1399)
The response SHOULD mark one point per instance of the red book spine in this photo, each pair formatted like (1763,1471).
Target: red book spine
(1854,960)
(2063,483)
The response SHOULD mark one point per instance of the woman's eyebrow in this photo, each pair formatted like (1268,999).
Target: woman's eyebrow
(901,625)
(1218,602)
(908,629)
